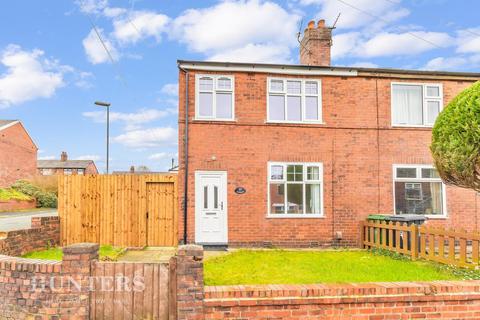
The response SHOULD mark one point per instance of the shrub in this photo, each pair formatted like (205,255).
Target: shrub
(47,183)
(456,140)
(12,194)
(44,198)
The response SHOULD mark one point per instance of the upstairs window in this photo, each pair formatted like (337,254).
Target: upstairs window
(418,189)
(294,100)
(214,97)
(67,172)
(416,104)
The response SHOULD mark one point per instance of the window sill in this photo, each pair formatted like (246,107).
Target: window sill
(295,123)
(435,217)
(409,126)
(295,216)
(214,120)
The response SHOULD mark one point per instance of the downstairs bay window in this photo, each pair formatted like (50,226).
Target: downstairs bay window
(295,189)
(418,189)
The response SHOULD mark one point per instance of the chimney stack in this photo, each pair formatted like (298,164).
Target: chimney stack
(63,156)
(316,44)
(132,169)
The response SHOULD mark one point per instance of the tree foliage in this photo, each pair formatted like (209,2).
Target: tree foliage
(456,140)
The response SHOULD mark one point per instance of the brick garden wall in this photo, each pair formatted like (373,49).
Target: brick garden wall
(356,144)
(12,205)
(45,232)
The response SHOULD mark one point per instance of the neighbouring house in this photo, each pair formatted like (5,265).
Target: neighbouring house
(18,153)
(141,170)
(65,166)
(298,155)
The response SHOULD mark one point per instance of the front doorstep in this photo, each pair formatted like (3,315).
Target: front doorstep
(215,247)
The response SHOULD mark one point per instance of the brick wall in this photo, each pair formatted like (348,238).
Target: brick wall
(45,232)
(33,289)
(12,205)
(18,155)
(357,146)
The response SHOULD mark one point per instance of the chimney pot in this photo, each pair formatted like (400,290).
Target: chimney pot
(132,169)
(311,24)
(321,23)
(315,45)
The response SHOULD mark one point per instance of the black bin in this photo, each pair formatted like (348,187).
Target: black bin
(408,219)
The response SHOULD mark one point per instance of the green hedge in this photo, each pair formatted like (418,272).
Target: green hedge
(44,198)
(456,140)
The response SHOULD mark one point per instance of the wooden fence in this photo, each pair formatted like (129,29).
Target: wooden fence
(127,290)
(451,247)
(121,210)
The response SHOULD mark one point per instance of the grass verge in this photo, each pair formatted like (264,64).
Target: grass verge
(106,253)
(302,267)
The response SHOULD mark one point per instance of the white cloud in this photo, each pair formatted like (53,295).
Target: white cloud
(94,157)
(388,11)
(152,137)
(441,63)
(364,64)
(170,89)
(83,80)
(46,158)
(161,156)
(469,40)
(91,6)
(230,28)
(112,12)
(271,53)
(389,44)
(134,118)
(28,76)
(95,50)
(139,25)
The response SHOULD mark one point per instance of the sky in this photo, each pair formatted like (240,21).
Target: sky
(58,57)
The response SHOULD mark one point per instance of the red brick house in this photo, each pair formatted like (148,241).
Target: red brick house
(66,167)
(298,155)
(18,153)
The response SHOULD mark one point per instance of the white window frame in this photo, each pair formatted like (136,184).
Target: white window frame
(82,171)
(419,178)
(303,96)
(425,101)
(47,172)
(303,215)
(214,92)
(70,172)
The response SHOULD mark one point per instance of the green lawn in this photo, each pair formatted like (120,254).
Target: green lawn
(109,253)
(301,267)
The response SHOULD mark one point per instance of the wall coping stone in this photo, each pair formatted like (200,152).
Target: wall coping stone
(79,248)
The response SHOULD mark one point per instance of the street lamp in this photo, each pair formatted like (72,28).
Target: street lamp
(106,105)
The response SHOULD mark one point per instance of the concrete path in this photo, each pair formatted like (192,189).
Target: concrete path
(149,254)
(10,221)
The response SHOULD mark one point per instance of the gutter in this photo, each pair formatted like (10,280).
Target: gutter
(185,154)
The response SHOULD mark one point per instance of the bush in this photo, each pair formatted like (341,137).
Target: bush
(456,140)
(47,183)
(45,199)
(12,194)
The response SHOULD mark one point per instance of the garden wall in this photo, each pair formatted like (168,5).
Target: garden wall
(45,231)
(12,205)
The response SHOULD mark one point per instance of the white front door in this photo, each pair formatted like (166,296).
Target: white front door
(211,207)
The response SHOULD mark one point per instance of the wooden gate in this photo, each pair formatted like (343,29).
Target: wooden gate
(128,290)
(120,210)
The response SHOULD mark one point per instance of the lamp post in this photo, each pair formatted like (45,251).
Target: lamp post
(106,105)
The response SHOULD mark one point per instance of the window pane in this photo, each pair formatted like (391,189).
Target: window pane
(311,108)
(224,84)
(430,173)
(294,108)
(433,91)
(276,172)
(313,196)
(206,105)
(433,109)
(276,108)
(295,173)
(295,198)
(311,88)
(215,197)
(406,172)
(418,198)
(205,197)
(313,173)
(276,85)
(294,87)
(277,198)
(206,84)
(407,104)
(224,105)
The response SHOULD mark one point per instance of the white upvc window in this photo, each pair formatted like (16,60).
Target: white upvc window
(294,100)
(295,190)
(46,172)
(214,97)
(416,104)
(81,171)
(418,189)
(67,172)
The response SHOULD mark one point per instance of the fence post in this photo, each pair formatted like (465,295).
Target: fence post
(414,237)
(362,234)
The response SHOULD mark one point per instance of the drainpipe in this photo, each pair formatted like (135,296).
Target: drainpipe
(185,155)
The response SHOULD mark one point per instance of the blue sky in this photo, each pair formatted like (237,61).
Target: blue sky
(53,66)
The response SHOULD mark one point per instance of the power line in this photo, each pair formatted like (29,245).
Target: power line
(386,21)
